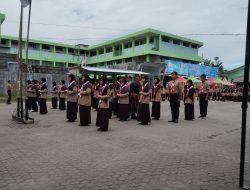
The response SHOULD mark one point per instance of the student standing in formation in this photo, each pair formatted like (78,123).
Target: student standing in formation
(143,114)
(102,119)
(189,97)
(72,97)
(134,96)
(111,99)
(62,95)
(54,93)
(203,96)
(123,101)
(9,90)
(33,91)
(28,95)
(84,102)
(95,94)
(117,86)
(175,90)
(156,99)
(43,97)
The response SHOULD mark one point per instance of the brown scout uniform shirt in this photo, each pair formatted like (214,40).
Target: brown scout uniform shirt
(72,92)
(144,94)
(43,91)
(156,97)
(85,94)
(124,95)
(104,98)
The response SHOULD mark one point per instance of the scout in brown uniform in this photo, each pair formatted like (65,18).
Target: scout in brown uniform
(123,101)
(54,93)
(203,96)
(43,97)
(62,95)
(95,94)
(111,99)
(156,99)
(102,119)
(117,86)
(134,96)
(189,96)
(9,89)
(143,114)
(72,96)
(84,102)
(33,90)
(175,90)
(28,96)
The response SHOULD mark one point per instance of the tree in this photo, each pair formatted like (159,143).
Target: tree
(215,63)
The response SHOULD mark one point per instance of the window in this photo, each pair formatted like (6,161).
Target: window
(47,63)
(60,49)
(3,42)
(118,61)
(92,53)
(34,62)
(101,51)
(109,49)
(109,63)
(128,45)
(140,42)
(185,44)
(194,46)
(33,45)
(46,47)
(14,43)
(165,39)
(128,60)
(60,64)
(151,40)
(71,50)
(177,42)
(71,65)
(118,50)
(82,52)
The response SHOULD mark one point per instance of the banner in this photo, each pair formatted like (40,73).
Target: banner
(190,69)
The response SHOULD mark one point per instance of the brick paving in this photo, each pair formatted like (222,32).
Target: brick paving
(193,155)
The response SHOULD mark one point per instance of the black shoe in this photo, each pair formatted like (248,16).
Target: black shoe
(176,121)
(201,116)
(143,123)
(133,116)
(171,121)
(155,118)
(35,111)
(99,129)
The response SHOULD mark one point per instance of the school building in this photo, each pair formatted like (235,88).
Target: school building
(148,45)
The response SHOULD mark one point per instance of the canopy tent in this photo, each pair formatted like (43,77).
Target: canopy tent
(226,82)
(219,81)
(211,81)
(182,79)
(109,70)
(195,80)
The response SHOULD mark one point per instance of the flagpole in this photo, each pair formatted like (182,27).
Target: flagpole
(245,104)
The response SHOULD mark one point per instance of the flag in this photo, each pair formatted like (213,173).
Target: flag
(25,3)
(84,60)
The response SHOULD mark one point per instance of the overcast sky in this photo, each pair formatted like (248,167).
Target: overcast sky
(94,21)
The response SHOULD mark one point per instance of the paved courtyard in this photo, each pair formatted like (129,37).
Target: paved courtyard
(192,155)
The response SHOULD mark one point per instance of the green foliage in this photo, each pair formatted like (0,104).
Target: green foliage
(215,63)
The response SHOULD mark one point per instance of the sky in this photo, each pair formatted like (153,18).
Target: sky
(94,21)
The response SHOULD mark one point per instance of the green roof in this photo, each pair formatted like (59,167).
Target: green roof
(45,42)
(143,32)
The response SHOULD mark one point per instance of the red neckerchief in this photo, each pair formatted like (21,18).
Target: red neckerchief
(172,87)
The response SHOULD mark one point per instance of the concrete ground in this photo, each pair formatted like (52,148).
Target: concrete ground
(192,155)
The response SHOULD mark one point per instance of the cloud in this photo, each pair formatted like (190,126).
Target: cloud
(93,21)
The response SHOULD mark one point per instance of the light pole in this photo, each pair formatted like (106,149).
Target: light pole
(244,104)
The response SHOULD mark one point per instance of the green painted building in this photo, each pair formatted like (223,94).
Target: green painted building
(235,73)
(148,45)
